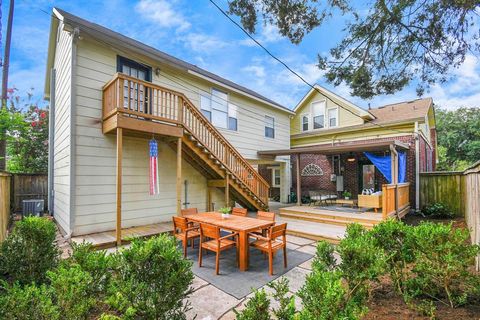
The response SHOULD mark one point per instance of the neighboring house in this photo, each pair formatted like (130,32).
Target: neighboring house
(330,135)
(110,95)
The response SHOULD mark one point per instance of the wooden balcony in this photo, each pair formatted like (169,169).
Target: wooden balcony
(141,108)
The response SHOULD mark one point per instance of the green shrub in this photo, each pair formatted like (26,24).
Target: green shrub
(395,239)
(256,308)
(361,261)
(438,210)
(286,309)
(151,279)
(96,263)
(29,251)
(443,256)
(27,302)
(340,290)
(326,297)
(72,289)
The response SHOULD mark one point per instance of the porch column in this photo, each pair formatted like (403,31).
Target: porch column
(179,176)
(285,181)
(299,184)
(119,186)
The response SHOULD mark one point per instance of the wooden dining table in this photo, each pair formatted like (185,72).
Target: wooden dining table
(242,225)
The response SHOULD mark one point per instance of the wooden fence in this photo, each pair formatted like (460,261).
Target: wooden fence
(5,181)
(28,186)
(459,191)
(472,203)
(443,187)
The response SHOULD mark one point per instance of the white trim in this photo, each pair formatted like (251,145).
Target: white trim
(274,169)
(337,99)
(337,122)
(308,115)
(264,126)
(239,91)
(313,114)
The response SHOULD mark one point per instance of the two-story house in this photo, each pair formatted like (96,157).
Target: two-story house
(110,95)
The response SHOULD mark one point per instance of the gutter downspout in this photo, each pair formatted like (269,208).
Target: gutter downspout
(51,139)
(73,122)
(417,168)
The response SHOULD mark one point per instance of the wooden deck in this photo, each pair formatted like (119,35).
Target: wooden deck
(107,239)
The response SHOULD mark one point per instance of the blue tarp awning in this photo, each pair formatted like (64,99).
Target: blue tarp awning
(384,165)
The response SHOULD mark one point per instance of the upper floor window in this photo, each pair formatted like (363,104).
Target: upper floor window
(218,110)
(269,127)
(305,121)
(332,117)
(318,110)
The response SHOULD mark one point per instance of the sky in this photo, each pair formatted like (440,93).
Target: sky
(195,31)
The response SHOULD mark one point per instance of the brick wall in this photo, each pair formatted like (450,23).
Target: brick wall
(351,170)
(266,173)
(433,141)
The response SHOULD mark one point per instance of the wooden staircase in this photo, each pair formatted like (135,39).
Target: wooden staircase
(141,106)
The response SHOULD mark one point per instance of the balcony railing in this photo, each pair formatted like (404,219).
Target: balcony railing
(131,97)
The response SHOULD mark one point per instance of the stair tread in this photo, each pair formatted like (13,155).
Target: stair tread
(315,228)
(299,216)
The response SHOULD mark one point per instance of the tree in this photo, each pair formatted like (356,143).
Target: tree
(458,137)
(383,50)
(26,131)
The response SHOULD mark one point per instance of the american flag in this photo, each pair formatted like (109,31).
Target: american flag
(154,183)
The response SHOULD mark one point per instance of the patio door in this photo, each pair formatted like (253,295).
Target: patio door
(138,94)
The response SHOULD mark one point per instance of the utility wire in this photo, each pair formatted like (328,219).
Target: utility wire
(283,63)
(258,43)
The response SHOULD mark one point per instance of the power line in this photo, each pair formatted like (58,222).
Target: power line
(283,63)
(258,43)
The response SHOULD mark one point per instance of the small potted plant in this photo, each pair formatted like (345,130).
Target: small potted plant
(225,212)
(347,194)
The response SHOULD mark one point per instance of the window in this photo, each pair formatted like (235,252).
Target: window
(269,127)
(332,117)
(206,107)
(135,96)
(318,109)
(232,117)
(218,110)
(275,177)
(305,120)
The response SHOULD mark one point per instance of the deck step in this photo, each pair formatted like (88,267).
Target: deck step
(324,216)
(314,230)
(322,219)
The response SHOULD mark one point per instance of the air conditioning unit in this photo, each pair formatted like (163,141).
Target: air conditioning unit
(32,207)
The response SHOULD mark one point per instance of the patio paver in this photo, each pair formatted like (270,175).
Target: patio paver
(308,249)
(210,303)
(296,278)
(299,241)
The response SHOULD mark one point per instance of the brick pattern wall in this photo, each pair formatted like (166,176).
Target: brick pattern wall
(426,156)
(351,174)
(266,173)
(433,141)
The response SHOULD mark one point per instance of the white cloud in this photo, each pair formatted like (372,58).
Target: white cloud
(258,71)
(268,34)
(163,13)
(204,43)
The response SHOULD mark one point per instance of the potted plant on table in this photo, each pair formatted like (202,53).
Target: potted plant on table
(225,212)
(347,195)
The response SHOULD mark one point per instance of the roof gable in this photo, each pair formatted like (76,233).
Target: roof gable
(342,102)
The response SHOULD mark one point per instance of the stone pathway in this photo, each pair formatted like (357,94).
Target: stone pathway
(210,303)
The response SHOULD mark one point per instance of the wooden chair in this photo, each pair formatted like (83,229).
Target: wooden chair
(216,243)
(184,232)
(239,212)
(264,215)
(187,211)
(270,244)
